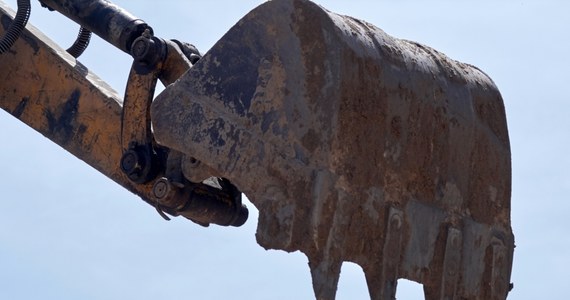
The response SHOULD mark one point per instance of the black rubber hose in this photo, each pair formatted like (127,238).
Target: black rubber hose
(81,43)
(18,24)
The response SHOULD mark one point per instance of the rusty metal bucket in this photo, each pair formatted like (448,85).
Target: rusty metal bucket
(354,146)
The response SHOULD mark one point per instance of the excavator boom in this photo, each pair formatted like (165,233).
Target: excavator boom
(52,92)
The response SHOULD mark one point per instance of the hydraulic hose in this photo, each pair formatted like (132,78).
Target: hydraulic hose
(18,24)
(81,43)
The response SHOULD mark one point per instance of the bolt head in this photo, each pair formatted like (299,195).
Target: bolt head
(130,162)
(161,188)
(140,48)
(145,51)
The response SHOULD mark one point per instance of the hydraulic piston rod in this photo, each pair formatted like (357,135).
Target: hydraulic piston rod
(105,19)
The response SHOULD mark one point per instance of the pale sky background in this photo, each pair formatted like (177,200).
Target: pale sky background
(68,232)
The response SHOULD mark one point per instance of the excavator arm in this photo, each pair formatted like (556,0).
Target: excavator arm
(48,89)
(354,145)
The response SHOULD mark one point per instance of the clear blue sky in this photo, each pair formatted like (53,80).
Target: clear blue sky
(67,232)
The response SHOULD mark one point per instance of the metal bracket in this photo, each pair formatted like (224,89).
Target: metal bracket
(138,161)
(153,59)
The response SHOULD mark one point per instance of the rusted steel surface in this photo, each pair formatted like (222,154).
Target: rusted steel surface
(354,146)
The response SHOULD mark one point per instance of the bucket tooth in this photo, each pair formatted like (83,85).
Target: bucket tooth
(325,275)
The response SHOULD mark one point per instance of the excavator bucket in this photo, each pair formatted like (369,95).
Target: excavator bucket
(354,146)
